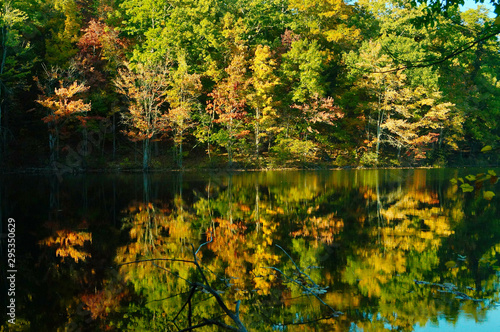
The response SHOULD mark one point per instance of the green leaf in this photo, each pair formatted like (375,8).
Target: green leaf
(453,181)
(467,188)
(488,195)
(492,173)
(486,148)
(461,180)
(450,264)
(470,177)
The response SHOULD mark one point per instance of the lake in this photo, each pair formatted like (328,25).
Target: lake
(341,250)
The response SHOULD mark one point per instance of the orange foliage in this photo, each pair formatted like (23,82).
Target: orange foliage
(322,229)
(105,301)
(67,240)
(63,104)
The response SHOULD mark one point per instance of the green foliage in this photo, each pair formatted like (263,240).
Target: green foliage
(310,76)
(302,70)
(369,158)
(290,149)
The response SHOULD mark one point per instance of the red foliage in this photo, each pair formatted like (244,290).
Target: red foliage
(98,45)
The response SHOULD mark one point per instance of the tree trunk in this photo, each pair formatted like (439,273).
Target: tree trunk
(380,120)
(257,210)
(145,188)
(52,147)
(257,133)
(145,156)
(157,148)
(379,134)
(85,147)
(230,142)
(180,153)
(56,138)
(114,136)
(135,152)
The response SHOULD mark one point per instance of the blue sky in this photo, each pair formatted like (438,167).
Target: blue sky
(471,4)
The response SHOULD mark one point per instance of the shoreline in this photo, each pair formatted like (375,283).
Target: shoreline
(52,171)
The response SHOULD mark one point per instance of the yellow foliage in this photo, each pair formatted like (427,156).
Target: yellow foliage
(488,195)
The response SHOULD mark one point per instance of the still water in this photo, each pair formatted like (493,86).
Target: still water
(350,250)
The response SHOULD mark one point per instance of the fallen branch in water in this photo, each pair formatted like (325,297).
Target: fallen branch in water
(312,288)
(199,286)
(450,289)
(235,316)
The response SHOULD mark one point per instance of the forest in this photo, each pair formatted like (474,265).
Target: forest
(168,84)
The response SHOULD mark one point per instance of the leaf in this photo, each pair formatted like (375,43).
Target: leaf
(492,172)
(461,180)
(486,148)
(467,188)
(450,264)
(470,177)
(453,181)
(488,195)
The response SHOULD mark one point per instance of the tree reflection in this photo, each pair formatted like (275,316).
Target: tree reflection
(378,247)
(391,250)
(69,244)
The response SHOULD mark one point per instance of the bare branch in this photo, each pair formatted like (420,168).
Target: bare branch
(206,286)
(191,293)
(168,297)
(201,245)
(210,322)
(308,289)
(173,273)
(157,259)
(191,328)
(315,290)
(296,266)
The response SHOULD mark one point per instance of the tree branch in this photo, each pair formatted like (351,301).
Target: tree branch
(206,286)
(210,322)
(191,293)
(309,290)
(460,50)
(157,259)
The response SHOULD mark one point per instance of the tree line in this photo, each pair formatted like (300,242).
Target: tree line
(246,83)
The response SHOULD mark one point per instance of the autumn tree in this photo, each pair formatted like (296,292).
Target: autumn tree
(100,52)
(61,45)
(305,88)
(229,102)
(406,117)
(262,99)
(182,99)
(319,116)
(145,86)
(62,104)
(327,19)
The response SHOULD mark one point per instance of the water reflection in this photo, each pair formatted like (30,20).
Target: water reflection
(394,250)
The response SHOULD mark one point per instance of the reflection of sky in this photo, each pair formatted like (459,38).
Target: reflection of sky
(472,4)
(465,324)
